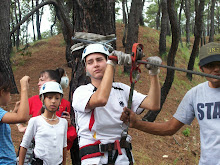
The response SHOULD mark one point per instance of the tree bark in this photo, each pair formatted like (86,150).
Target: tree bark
(212,28)
(67,28)
(17,41)
(208,20)
(5,42)
(197,34)
(125,21)
(163,30)
(141,16)
(187,13)
(151,115)
(180,14)
(158,15)
(51,27)
(38,22)
(32,19)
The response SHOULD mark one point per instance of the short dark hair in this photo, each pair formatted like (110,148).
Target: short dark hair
(5,82)
(55,75)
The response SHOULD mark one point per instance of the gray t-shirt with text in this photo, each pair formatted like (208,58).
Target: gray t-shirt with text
(203,103)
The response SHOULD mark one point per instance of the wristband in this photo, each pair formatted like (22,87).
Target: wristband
(110,62)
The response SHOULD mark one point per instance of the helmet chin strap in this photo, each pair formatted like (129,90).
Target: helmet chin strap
(44,106)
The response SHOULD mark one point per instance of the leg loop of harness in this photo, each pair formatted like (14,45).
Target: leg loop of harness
(97,149)
(128,152)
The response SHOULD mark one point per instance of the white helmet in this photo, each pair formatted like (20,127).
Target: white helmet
(64,82)
(94,48)
(51,86)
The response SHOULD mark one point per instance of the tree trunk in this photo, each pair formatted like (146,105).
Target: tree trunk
(168,28)
(93,17)
(208,19)
(151,115)
(124,15)
(141,22)
(163,30)
(32,19)
(17,42)
(12,23)
(197,34)
(125,21)
(133,27)
(158,15)
(212,28)
(51,27)
(67,28)
(5,44)
(180,14)
(38,22)
(187,13)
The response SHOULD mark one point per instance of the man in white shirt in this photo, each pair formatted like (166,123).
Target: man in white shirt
(98,107)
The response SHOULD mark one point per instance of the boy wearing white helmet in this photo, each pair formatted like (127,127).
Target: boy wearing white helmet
(48,130)
(98,107)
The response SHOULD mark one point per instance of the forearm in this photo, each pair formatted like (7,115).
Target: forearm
(100,97)
(23,110)
(64,155)
(22,154)
(152,101)
(163,129)
(105,87)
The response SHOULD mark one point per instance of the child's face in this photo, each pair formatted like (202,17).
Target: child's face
(52,101)
(5,97)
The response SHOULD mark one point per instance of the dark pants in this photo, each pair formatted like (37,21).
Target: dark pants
(74,152)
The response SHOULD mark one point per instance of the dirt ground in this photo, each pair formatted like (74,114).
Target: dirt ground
(147,149)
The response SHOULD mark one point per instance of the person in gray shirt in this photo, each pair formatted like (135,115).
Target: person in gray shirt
(202,102)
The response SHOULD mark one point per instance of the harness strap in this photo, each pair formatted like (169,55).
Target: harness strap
(110,159)
(115,156)
(90,151)
(98,149)
(128,152)
(92,120)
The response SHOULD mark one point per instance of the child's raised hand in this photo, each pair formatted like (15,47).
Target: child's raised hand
(25,82)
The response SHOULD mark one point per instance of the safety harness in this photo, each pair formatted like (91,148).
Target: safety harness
(97,149)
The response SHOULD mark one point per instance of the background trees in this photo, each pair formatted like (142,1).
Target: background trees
(199,18)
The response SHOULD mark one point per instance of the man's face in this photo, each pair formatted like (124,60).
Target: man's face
(212,68)
(95,65)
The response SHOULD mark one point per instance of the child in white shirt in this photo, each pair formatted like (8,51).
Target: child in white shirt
(48,130)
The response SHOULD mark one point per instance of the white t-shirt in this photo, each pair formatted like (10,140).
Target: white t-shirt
(107,126)
(203,103)
(49,139)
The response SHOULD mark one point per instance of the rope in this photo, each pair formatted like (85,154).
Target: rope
(180,69)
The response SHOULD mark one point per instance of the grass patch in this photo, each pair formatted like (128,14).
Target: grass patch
(186,132)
